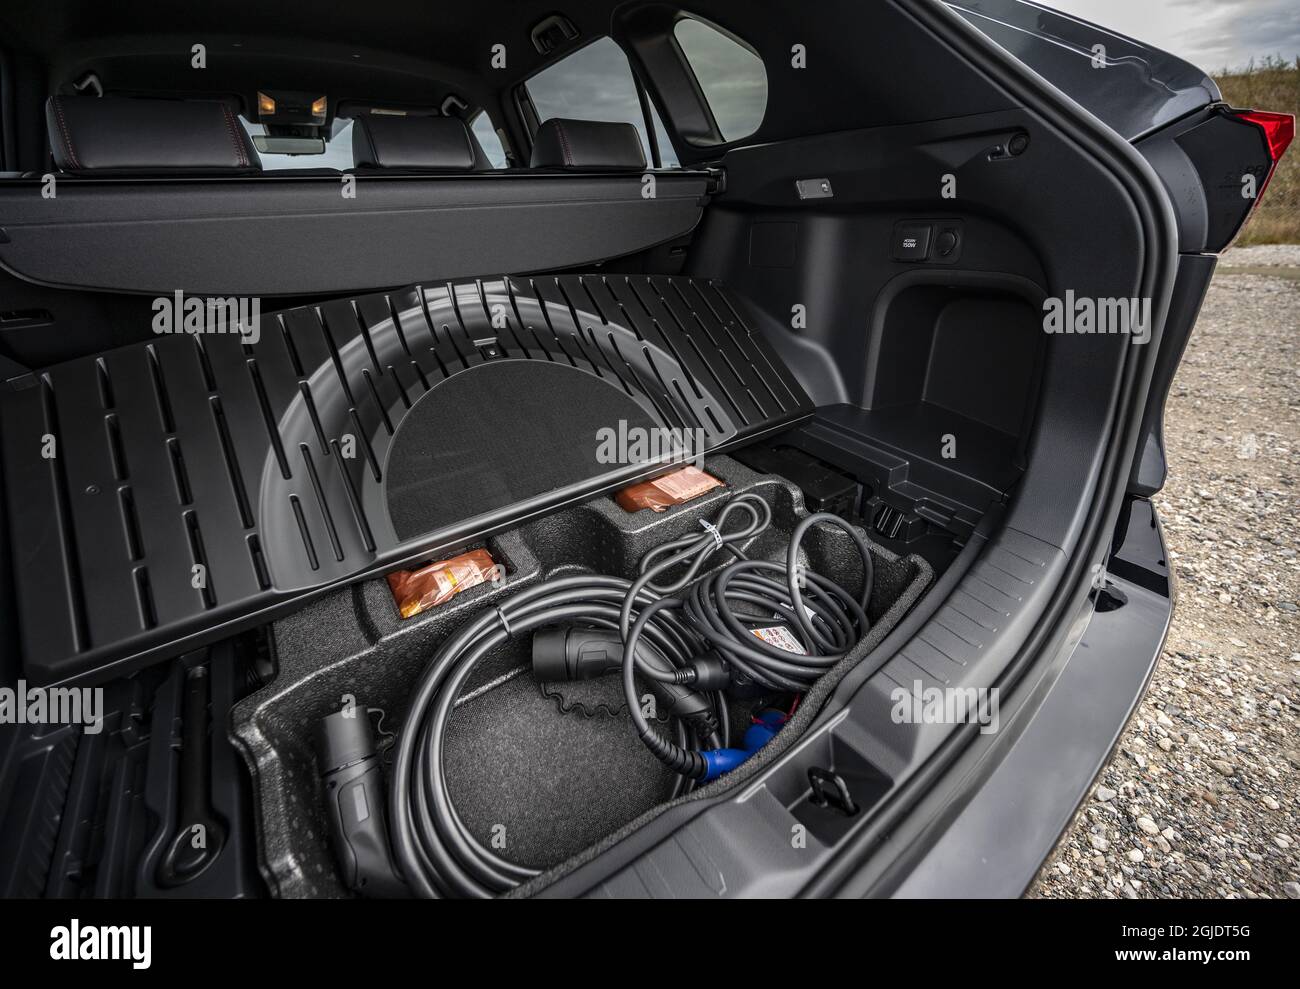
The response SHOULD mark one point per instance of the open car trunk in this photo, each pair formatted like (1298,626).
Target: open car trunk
(843,314)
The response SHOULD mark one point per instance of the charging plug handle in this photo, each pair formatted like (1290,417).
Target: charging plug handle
(355,803)
(567,653)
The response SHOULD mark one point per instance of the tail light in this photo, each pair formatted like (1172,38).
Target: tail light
(1279,131)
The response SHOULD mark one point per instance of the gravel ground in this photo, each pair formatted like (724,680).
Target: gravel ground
(1262,256)
(1202,797)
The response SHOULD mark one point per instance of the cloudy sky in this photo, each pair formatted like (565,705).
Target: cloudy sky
(1212,34)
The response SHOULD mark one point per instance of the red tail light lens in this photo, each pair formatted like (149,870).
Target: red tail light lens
(1278,128)
(1279,131)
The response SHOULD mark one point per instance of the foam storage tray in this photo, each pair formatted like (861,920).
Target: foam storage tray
(557,766)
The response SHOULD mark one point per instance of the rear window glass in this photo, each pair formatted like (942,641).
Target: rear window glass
(337,154)
(732,77)
(596,83)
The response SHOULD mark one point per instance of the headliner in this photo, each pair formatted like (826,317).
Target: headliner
(457,36)
(415,52)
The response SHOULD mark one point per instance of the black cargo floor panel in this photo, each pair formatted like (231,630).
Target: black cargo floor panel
(197,484)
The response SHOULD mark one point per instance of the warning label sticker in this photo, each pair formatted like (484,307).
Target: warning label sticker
(781,637)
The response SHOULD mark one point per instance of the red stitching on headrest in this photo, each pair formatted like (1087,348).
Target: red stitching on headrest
(241,158)
(63,128)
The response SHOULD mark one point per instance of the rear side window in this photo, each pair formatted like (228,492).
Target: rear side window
(596,83)
(732,77)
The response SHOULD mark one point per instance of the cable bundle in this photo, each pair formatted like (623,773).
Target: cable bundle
(827,621)
(688,647)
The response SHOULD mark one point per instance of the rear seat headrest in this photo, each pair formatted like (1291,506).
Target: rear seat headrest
(565,143)
(391,141)
(109,133)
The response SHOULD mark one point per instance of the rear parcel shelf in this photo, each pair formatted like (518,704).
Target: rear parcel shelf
(299,236)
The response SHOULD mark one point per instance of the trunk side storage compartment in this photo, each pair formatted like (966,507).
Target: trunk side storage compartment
(547,770)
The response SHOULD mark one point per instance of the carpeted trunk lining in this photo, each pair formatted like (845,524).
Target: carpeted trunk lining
(541,784)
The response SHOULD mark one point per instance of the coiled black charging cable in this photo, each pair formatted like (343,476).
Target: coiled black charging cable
(824,618)
(666,639)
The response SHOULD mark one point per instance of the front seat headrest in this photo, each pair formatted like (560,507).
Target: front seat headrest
(417,142)
(110,133)
(562,143)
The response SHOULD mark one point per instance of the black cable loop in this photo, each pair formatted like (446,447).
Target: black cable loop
(434,849)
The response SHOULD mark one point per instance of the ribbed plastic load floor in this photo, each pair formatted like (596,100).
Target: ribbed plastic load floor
(201,484)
